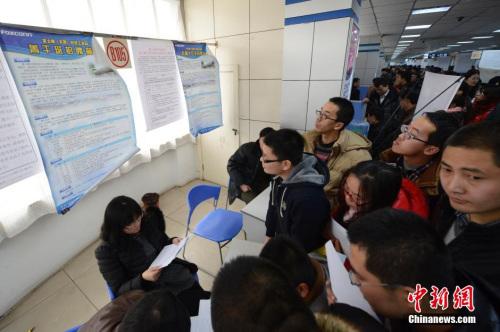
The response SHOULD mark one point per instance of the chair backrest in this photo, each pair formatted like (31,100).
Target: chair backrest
(199,194)
(363,91)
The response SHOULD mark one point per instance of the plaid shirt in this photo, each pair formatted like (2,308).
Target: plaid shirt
(414,174)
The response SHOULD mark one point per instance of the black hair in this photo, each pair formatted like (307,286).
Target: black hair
(292,258)
(345,114)
(356,79)
(375,177)
(251,294)
(378,81)
(445,123)
(375,111)
(406,75)
(157,311)
(287,144)
(150,199)
(120,212)
(265,131)
(412,96)
(402,249)
(471,72)
(482,136)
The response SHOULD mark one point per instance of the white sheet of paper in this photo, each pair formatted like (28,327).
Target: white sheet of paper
(168,253)
(202,322)
(340,234)
(344,291)
(433,85)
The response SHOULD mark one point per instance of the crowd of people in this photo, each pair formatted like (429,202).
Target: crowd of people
(419,198)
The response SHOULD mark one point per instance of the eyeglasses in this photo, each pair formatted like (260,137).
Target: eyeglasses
(322,115)
(405,130)
(355,282)
(270,161)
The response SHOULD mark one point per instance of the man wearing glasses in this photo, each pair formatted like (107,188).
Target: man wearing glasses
(417,150)
(298,206)
(338,147)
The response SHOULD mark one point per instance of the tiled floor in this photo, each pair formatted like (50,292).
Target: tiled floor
(77,291)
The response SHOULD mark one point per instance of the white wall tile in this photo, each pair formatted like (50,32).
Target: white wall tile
(199,19)
(244,131)
(266,15)
(257,126)
(297,47)
(319,93)
(265,100)
(234,51)
(329,48)
(266,54)
(294,104)
(244,99)
(315,6)
(371,59)
(231,17)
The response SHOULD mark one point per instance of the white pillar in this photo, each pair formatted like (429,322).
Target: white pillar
(319,53)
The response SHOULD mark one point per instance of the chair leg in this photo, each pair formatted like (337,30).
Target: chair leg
(244,234)
(220,253)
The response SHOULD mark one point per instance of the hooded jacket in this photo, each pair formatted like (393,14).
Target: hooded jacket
(349,149)
(298,206)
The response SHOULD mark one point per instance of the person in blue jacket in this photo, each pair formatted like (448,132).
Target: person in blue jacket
(298,206)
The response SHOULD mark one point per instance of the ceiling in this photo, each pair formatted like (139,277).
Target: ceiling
(385,20)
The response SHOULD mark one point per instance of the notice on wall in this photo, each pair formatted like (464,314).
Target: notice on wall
(350,61)
(81,116)
(18,151)
(200,79)
(159,82)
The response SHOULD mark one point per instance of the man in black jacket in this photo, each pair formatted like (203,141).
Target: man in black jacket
(298,206)
(383,97)
(247,178)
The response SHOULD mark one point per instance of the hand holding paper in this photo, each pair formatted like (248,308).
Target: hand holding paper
(168,253)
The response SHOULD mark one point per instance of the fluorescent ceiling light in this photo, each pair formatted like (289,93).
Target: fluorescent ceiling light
(465,42)
(482,37)
(497,30)
(430,10)
(410,36)
(453,45)
(415,27)
(406,41)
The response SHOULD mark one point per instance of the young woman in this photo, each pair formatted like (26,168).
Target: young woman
(129,245)
(368,186)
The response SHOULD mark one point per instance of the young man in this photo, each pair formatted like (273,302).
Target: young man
(338,147)
(383,97)
(470,176)
(247,179)
(298,206)
(392,252)
(251,294)
(391,128)
(305,273)
(155,311)
(417,150)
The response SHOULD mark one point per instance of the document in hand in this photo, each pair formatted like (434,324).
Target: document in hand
(344,291)
(168,253)
(340,234)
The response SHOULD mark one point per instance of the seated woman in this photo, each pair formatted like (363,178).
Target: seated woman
(129,246)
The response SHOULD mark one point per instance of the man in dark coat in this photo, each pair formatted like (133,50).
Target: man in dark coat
(298,206)
(247,178)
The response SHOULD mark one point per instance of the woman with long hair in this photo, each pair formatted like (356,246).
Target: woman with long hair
(130,243)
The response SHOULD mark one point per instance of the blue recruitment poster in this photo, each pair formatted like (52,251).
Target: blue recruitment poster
(80,111)
(200,79)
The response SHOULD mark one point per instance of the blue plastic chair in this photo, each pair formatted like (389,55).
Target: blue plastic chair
(220,225)
(111,295)
(363,92)
(74,329)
